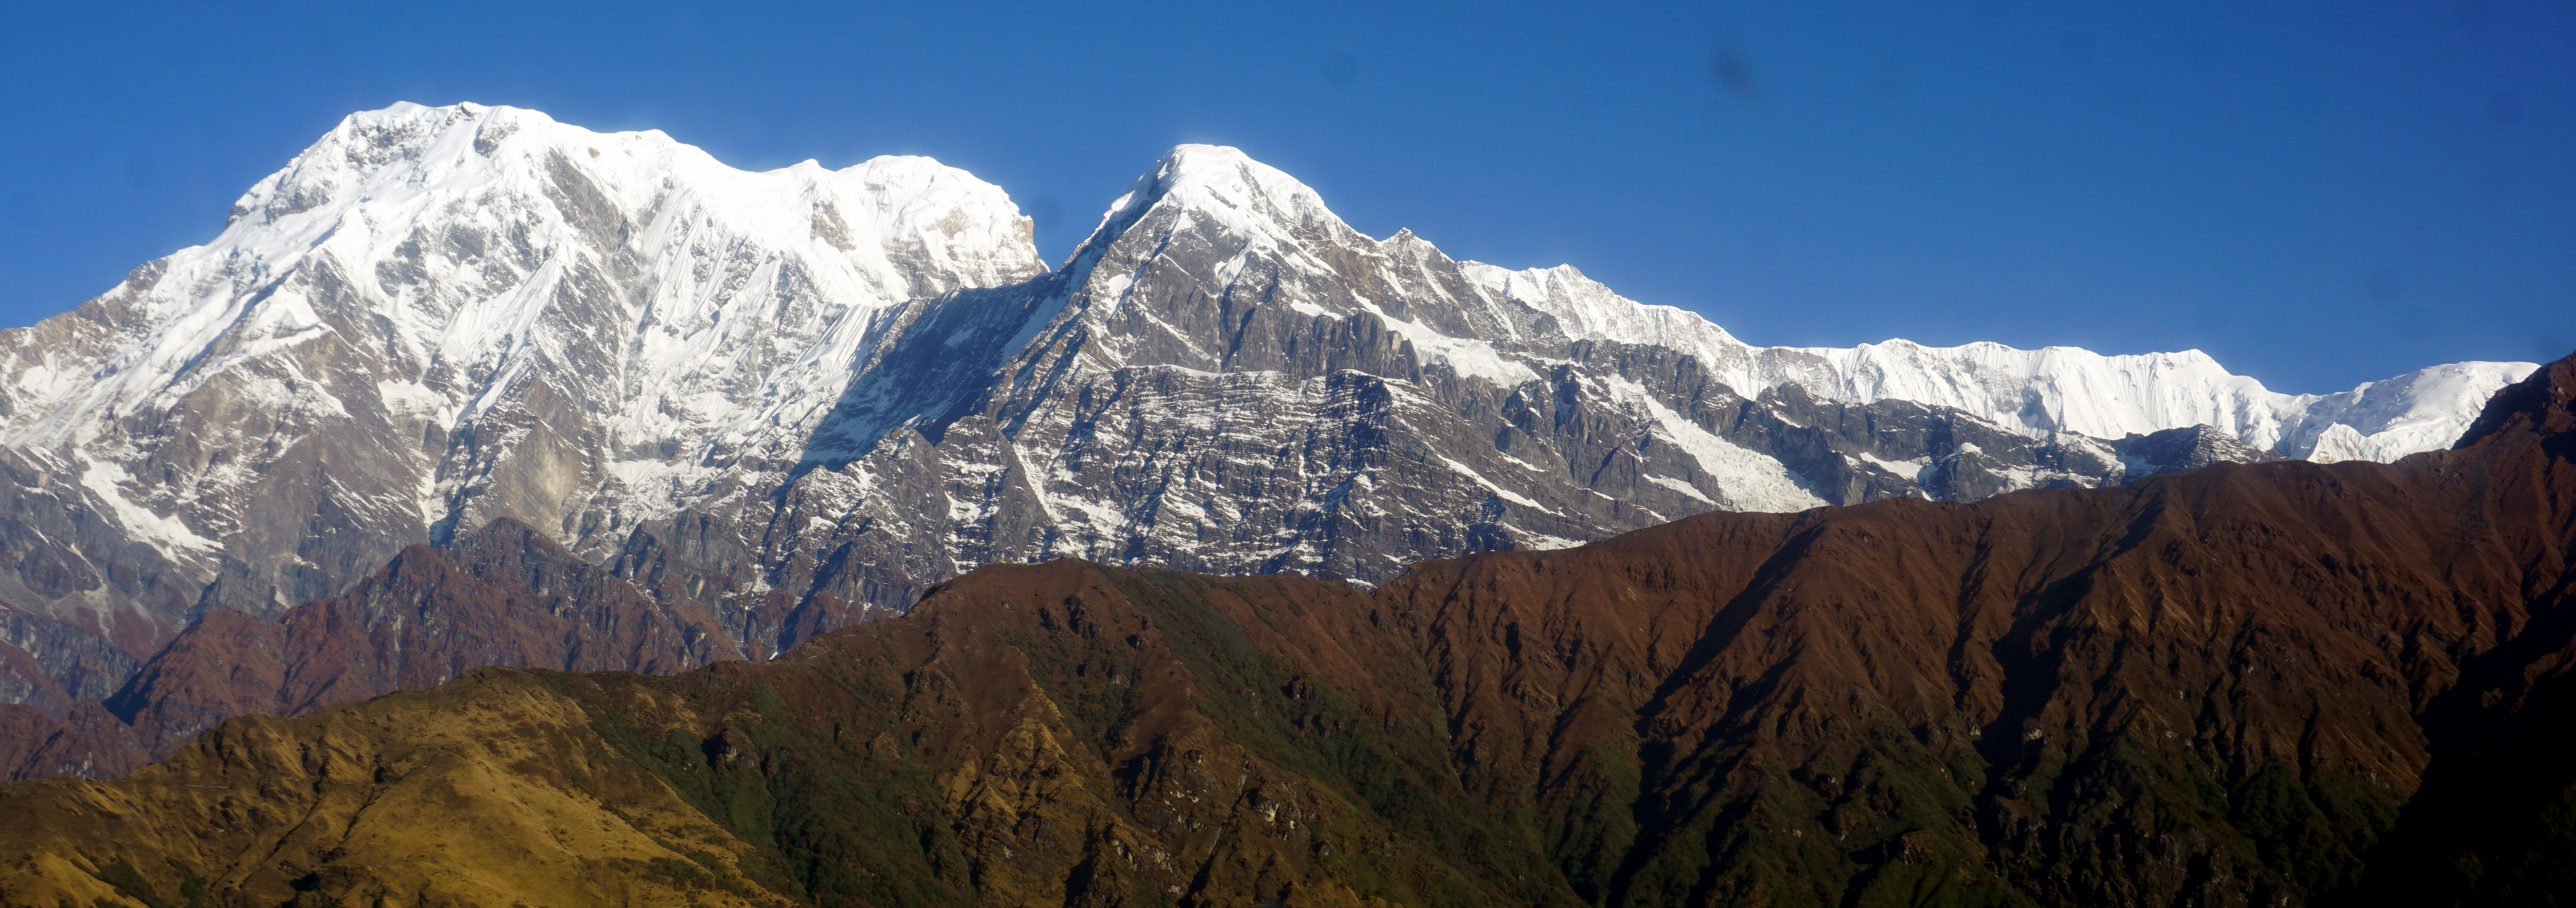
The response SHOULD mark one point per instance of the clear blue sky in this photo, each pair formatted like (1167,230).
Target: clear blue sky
(2318,194)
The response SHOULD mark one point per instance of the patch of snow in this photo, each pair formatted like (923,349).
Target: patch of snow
(1680,486)
(1919,469)
(154,529)
(1540,542)
(1503,493)
(1749,479)
(1473,358)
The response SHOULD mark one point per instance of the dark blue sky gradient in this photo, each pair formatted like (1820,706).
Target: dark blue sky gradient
(2318,194)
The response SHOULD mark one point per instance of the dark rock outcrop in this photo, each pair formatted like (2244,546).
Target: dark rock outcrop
(2187,448)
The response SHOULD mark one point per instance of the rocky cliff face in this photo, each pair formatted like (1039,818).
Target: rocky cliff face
(503,595)
(2242,685)
(788,398)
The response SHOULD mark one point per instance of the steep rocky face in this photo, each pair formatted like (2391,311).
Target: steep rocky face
(2241,685)
(439,316)
(504,595)
(792,397)
(48,664)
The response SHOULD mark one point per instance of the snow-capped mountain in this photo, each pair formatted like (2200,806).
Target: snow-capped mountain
(786,395)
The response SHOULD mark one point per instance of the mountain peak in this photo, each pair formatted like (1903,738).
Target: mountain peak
(1222,185)
(1220,179)
(1227,166)
(408,161)
(426,267)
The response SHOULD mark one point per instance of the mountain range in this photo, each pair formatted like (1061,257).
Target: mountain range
(2276,684)
(454,364)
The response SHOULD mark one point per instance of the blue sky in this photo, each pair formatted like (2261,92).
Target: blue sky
(2318,194)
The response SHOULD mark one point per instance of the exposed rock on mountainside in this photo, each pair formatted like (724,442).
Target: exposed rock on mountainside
(2241,685)
(786,398)
(504,595)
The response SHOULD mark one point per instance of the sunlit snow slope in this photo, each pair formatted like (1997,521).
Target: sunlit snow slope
(2056,389)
